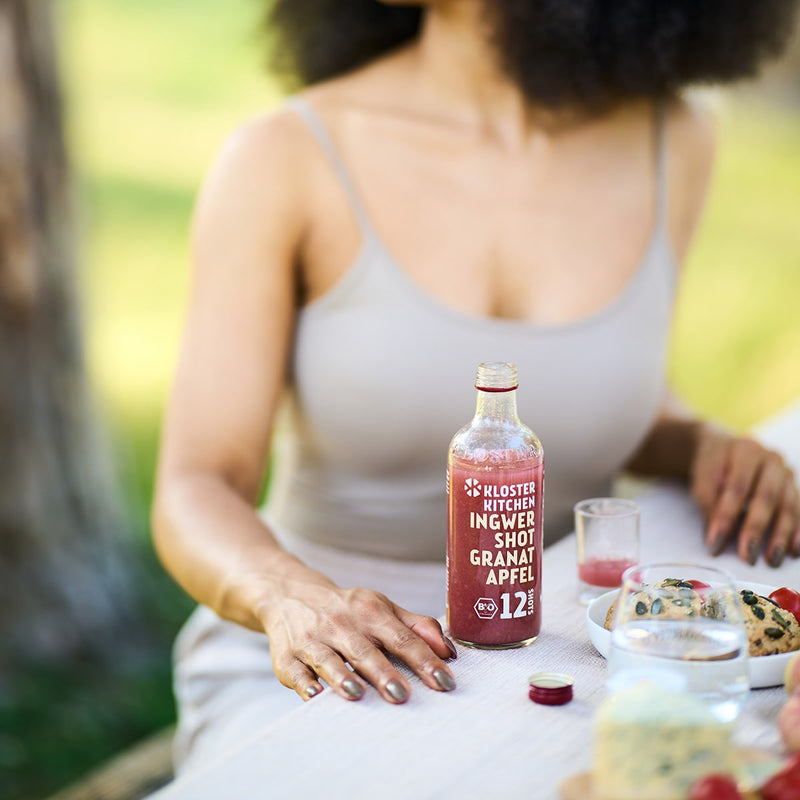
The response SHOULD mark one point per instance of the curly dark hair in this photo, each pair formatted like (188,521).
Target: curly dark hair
(585,52)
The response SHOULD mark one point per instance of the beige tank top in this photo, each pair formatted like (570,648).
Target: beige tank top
(382,374)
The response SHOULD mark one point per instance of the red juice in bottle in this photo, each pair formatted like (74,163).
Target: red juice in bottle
(495,480)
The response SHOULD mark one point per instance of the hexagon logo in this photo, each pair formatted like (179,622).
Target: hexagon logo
(485,607)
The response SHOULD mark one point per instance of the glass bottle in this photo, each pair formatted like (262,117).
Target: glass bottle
(495,482)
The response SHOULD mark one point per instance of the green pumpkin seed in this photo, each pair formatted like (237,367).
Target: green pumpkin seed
(685,585)
(773,633)
(641,608)
(757,611)
(657,606)
(750,599)
(780,620)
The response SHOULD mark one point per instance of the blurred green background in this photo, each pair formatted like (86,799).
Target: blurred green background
(152,86)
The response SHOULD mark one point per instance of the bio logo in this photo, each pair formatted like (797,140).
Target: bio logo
(485,607)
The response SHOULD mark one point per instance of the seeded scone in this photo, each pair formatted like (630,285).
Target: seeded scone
(770,628)
(670,599)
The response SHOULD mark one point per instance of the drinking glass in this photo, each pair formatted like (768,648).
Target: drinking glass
(685,619)
(607,535)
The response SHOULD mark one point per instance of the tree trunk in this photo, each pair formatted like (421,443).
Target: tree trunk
(64,577)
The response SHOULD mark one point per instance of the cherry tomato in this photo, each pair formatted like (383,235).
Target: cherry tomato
(785,785)
(698,584)
(792,765)
(715,787)
(788,600)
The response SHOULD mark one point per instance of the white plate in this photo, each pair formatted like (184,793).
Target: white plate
(764,670)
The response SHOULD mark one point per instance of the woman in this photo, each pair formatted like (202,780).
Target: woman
(462,180)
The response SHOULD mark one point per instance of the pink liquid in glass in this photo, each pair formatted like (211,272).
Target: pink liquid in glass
(606,572)
(494,551)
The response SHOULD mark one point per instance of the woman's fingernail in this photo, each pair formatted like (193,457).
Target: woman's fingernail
(444,680)
(776,558)
(313,690)
(397,691)
(752,552)
(451,647)
(718,544)
(352,688)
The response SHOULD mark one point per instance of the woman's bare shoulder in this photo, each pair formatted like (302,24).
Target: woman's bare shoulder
(258,179)
(278,141)
(690,142)
(268,141)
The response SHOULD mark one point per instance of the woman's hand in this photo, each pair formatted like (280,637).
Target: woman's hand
(316,630)
(746,493)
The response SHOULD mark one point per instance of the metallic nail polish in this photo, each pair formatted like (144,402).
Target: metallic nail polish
(352,688)
(776,559)
(312,691)
(451,647)
(752,552)
(397,691)
(718,544)
(443,679)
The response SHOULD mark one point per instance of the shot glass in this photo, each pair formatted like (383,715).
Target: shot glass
(607,533)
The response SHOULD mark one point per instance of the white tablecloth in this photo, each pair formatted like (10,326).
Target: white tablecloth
(485,739)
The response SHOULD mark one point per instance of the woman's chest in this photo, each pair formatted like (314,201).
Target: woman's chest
(383,373)
(490,236)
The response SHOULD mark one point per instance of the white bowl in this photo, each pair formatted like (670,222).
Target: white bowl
(764,670)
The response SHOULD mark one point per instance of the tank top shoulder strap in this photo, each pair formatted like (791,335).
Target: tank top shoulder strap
(323,138)
(660,124)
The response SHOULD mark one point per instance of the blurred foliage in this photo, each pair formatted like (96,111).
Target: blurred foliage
(736,349)
(152,88)
(59,720)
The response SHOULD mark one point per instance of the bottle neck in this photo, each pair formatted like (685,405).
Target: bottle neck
(497,406)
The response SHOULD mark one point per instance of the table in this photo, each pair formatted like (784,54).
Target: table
(486,738)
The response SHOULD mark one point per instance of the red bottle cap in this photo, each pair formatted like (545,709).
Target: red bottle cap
(550,688)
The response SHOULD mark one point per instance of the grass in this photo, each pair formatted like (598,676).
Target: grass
(152,88)
(73,716)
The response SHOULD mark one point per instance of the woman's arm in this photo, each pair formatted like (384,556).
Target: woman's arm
(249,226)
(746,493)
(236,337)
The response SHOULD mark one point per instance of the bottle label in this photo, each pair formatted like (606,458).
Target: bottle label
(494,552)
